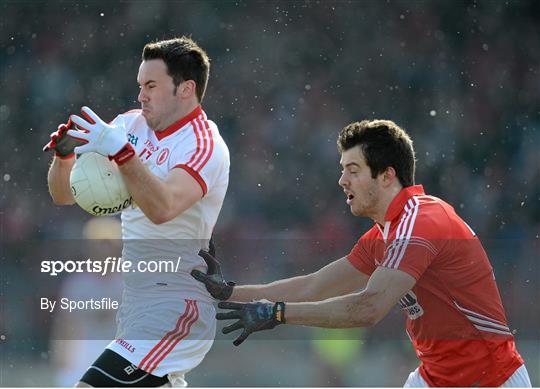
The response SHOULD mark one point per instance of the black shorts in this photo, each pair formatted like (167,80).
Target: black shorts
(113,370)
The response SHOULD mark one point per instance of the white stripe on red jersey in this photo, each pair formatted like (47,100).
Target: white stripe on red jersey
(425,238)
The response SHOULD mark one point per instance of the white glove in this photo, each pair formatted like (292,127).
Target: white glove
(99,136)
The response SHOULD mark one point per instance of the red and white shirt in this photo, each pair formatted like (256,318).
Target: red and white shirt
(194,144)
(455,317)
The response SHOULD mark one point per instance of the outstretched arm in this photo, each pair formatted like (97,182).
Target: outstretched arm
(366,308)
(336,279)
(363,309)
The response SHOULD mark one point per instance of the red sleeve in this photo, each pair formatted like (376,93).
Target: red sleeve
(413,256)
(416,246)
(363,254)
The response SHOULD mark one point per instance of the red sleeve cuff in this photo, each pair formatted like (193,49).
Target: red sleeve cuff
(124,155)
(69,156)
(195,175)
(410,271)
(359,265)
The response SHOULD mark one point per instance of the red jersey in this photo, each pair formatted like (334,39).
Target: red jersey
(455,317)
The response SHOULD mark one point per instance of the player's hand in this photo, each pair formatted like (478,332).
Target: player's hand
(213,279)
(97,135)
(252,317)
(62,144)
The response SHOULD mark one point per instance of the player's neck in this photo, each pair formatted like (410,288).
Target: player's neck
(384,203)
(181,112)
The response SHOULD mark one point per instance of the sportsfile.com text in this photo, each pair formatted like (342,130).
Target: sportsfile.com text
(109,265)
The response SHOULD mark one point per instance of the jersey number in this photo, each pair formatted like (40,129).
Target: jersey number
(147,152)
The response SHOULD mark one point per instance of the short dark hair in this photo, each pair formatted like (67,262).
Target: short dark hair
(384,144)
(185,60)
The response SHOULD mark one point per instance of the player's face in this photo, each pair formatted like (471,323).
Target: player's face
(361,189)
(158,101)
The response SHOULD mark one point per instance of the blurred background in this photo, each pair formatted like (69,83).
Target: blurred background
(462,77)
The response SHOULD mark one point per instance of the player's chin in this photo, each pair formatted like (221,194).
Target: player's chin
(355,211)
(149,121)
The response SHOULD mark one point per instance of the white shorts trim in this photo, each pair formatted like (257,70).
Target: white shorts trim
(520,379)
(174,342)
(415,380)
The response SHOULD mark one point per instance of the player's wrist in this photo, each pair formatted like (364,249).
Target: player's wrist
(222,291)
(279,312)
(123,155)
(63,156)
(228,291)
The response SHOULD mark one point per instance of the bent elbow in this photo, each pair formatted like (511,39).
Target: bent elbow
(160,218)
(368,319)
(373,319)
(157,219)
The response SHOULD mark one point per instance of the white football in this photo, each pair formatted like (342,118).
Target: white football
(98,186)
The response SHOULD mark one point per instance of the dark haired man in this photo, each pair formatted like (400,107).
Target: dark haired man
(176,167)
(419,254)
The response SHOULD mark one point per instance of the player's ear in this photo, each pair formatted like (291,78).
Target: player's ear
(389,176)
(187,89)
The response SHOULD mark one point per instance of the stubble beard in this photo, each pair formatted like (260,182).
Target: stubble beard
(368,207)
(151,123)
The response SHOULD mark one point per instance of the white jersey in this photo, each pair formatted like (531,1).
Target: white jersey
(195,145)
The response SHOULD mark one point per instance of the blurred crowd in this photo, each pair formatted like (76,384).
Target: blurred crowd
(462,78)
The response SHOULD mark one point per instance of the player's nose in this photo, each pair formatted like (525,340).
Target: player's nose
(342,181)
(142,96)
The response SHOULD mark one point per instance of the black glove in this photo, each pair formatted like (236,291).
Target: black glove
(213,279)
(61,143)
(252,317)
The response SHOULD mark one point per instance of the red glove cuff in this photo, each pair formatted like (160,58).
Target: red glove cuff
(125,154)
(69,156)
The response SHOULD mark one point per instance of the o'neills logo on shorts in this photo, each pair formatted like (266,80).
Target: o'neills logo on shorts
(97,210)
(125,345)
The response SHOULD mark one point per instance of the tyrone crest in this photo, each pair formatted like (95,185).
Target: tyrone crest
(163,155)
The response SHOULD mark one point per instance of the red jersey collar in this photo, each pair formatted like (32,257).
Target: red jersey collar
(179,124)
(398,203)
